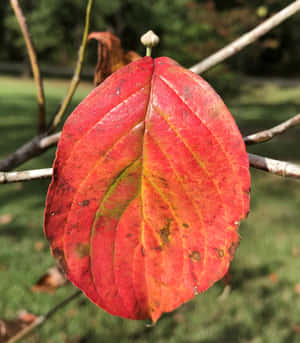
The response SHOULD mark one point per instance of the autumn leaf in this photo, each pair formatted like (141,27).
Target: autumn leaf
(111,56)
(151,180)
(10,327)
(50,281)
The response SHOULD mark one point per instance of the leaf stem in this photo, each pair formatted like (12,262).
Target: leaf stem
(148,51)
(76,77)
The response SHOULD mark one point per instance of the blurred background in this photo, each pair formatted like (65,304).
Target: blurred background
(261,87)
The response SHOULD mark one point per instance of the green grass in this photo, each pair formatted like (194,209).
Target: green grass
(258,310)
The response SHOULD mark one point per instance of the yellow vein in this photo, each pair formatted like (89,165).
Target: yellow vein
(166,82)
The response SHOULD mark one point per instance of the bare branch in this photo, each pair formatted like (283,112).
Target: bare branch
(23,154)
(34,65)
(38,145)
(280,168)
(266,135)
(34,147)
(76,78)
(49,141)
(25,175)
(246,39)
(41,319)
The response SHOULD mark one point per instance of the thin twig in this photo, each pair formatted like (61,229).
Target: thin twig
(36,145)
(246,39)
(49,141)
(41,319)
(76,78)
(280,168)
(34,65)
(33,148)
(266,135)
(25,175)
(23,154)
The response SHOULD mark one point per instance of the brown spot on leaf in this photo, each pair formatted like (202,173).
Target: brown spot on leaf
(158,248)
(82,250)
(60,257)
(162,180)
(185,225)
(220,252)
(164,233)
(195,256)
(84,203)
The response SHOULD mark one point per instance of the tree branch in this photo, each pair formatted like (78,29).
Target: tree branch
(246,39)
(76,78)
(23,154)
(39,144)
(276,167)
(266,135)
(25,175)
(49,141)
(34,65)
(35,148)
(280,168)
(41,319)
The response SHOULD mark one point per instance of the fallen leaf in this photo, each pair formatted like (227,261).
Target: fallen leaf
(50,281)
(111,56)
(297,288)
(26,317)
(296,329)
(150,182)
(273,277)
(39,246)
(6,218)
(295,252)
(10,327)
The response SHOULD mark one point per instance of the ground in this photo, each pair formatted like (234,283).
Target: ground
(264,303)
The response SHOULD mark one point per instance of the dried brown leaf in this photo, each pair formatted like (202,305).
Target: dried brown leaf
(50,281)
(111,56)
(6,218)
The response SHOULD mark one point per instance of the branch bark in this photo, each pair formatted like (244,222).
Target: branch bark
(49,141)
(276,167)
(39,144)
(280,168)
(34,147)
(25,175)
(76,78)
(34,66)
(42,319)
(246,39)
(266,135)
(23,154)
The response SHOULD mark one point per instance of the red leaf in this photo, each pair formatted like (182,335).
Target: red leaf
(150,182)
